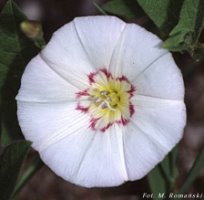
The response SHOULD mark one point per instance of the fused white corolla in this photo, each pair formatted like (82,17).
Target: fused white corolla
(103,102)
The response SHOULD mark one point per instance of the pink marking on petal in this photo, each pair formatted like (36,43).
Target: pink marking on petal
(132,88)
(106,127)
(106,72)
(82,108)
(93,122)
(123,78)
(82,93)
(122,121)
(91,77)
(131,109)
(132,91)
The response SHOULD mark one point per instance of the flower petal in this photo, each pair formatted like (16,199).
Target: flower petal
(66,56)
(79,46)
(99,36)
(136,50)
(41,84)
(155,128)
(162,79)
(44,123)
(70,148)
(88,158)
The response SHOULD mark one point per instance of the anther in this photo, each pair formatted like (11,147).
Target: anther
(97,100)
(104,105)
(109,98)
(104,92)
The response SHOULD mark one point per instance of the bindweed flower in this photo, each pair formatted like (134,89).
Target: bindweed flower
(103,102)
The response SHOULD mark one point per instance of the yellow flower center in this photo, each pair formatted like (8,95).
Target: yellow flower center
(108,100)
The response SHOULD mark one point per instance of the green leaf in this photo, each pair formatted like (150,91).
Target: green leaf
(15,52)
(5,137)
(10,164)
(28,174)
(164,13)
(124,8)
(162,177)
(197,166)
(186,33)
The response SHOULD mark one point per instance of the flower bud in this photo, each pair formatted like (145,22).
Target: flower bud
(32,29)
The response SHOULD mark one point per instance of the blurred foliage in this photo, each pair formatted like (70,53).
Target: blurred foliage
(185,35)
(164,13)
(15,52)
(10,165)
(125,8)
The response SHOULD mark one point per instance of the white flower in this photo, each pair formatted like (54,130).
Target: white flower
(103,102)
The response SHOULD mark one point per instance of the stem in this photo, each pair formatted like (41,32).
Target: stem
(172,166)
(40,43)
(35,166)
(165,177)
(171,163)
(163,173)
(99,8)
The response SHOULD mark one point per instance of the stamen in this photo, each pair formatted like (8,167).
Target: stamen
(107,105)
(111,108)
(97,100)
(104,105)
(104,92)
(109,98)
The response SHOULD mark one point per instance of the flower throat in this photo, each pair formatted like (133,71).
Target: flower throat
(107,100)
